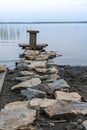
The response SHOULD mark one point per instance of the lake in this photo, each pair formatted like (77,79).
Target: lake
(69,40)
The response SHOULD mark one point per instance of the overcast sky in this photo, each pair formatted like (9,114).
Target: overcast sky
(43,10)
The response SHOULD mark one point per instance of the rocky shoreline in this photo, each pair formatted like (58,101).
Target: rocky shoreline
(55,96)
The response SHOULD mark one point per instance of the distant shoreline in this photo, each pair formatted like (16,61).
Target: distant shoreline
(67,22)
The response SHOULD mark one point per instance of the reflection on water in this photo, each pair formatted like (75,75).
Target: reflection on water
(8,33)
(11,33)
(70,40)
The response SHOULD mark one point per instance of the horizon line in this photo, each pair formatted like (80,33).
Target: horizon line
(43,22)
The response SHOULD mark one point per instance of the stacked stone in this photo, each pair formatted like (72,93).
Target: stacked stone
(38,71)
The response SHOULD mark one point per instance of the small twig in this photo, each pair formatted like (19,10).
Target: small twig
(59,121)
(43,124)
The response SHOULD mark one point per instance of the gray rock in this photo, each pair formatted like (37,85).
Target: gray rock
(84,123)
(74,125)
(59,84)
(23,78)
(42,57)
(52,78)
(22,66)
(79,121)
(35,64)
(80,127)
(79,107)
(32,93)
(27,84)
(44,77)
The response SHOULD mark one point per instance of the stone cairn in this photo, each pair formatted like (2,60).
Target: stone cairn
(44,90)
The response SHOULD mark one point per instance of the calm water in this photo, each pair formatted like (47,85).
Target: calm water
(69,40)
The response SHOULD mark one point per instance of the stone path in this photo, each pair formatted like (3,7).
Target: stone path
(36,68)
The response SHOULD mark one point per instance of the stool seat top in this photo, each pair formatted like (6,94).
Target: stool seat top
(32,31)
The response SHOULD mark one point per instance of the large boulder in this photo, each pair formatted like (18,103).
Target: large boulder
(16,115)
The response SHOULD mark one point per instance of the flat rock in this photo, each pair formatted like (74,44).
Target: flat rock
(16,115)
(51,54)
(43,103)
(32,93)
(27,84)
(59,84)
(42,57)
(23,78)
(22,66)
(84,123)
(30,57)
(59,109)
(3,68)
(16,104)
(35,64)
(79,107)
(65,96)
(52,78)
(41,70)
(52,70)
(35,55)
(26,73)
(32,52)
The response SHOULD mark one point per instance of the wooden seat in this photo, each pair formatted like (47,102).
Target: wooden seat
(32,41)
(38,46)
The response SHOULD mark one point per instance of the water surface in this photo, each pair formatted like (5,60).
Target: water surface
(69,40)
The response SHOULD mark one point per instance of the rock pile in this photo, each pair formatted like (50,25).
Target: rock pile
(37,73)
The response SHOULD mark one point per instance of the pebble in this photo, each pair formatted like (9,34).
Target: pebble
(80,127)
(74,124)
(79,121)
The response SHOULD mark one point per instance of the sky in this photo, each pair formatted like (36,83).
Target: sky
(43,10)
